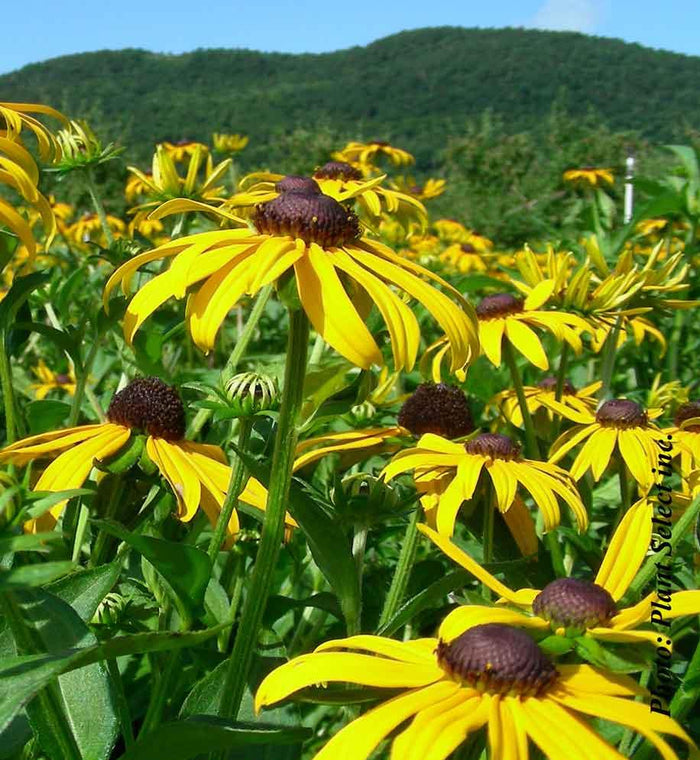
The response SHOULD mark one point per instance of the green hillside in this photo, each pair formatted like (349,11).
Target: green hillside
(416,88)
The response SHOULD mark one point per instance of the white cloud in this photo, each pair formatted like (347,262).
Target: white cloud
(569,15)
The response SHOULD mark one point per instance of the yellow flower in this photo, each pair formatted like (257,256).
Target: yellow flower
(431,188)
(191,192)
(149,228)
(343,183)
(493,675)
(651,226)
(309,234)
(503,316)
(197,472)
(224,143)
(18,169)
(465,258)
(368,153)
(49,380)
(447,474)
(572,604)
(589,175)
(575,405)
(80,148)
(89,229)
(619,425)
(686,432)
(136,185)
(183,149)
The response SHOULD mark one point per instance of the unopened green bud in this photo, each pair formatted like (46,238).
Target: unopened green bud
(110,610)
(251,393)
(365,500)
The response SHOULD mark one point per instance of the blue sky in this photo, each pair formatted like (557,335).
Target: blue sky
(35,31)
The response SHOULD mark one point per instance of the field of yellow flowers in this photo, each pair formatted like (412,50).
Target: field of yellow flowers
(293,469)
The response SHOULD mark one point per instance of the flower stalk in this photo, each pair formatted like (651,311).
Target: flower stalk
(399,582)
(273,524)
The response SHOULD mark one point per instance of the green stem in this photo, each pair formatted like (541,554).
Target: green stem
(8,394)
(48,701)
(97,203)
(625,499)
(556,554)
(674,344)
(561,379)
(273,523)
(235,486)
(685,521)
(80,529)
(103,537)
(161,693)
(402,574)
(530,437)
(317,350)
(487,539)
(239,350)
(608,360)
(80,384)
(122,703)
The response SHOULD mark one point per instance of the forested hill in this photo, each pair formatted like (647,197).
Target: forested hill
(415,88)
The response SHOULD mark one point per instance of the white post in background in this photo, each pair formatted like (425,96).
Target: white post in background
(629,189)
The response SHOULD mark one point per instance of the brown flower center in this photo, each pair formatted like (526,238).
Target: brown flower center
(500,305)
(688,411)
(498,659)
(62,380)
(380,143)
(338,170)
(151,405)
(468,248)
(294,183)
(621,413)
(570,602)
(550,384)
(440,409)
(494,445)
(306,213)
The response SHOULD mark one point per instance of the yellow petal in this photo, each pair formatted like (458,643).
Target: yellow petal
(176,469)
(467,616)
(527,342)
(331,311)
(627,549)
(463,559)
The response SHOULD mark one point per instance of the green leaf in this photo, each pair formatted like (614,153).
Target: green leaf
(206,733)
(85,697)
(85,589)
(29,542)
(33,575)
(24,676)
(42,501)
(8,246)
(428,596)
(556,645)
(185,569)
(47,414)
(22,288)
(62,340)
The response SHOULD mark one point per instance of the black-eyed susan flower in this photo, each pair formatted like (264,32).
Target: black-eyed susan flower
(20,171)
(432,408)
(447,474)
(345,184)
(370,152)
(50,380)
(621,426)
(81,148)
(574,404)
(197,472)
(492,675)
(686,432)
(184,149)
(88,229)
(465,258)
(225,143)
(590,176)
(575,605)
(506,317)
(310,235)
(431,188)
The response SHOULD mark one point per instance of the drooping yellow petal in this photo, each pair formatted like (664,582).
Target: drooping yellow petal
(526,341)
(561,735)
(627,549)
(505,483)
(400,320)
(461,489)
(491,337)
(584,678)
(36,446)
(467,616)
(569,440)
(403,651)
(71,468)
(522,527)
(358,739)
(177,470)
(602,444)
(636,457)
(331,311)
(323,667)
(463,559)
